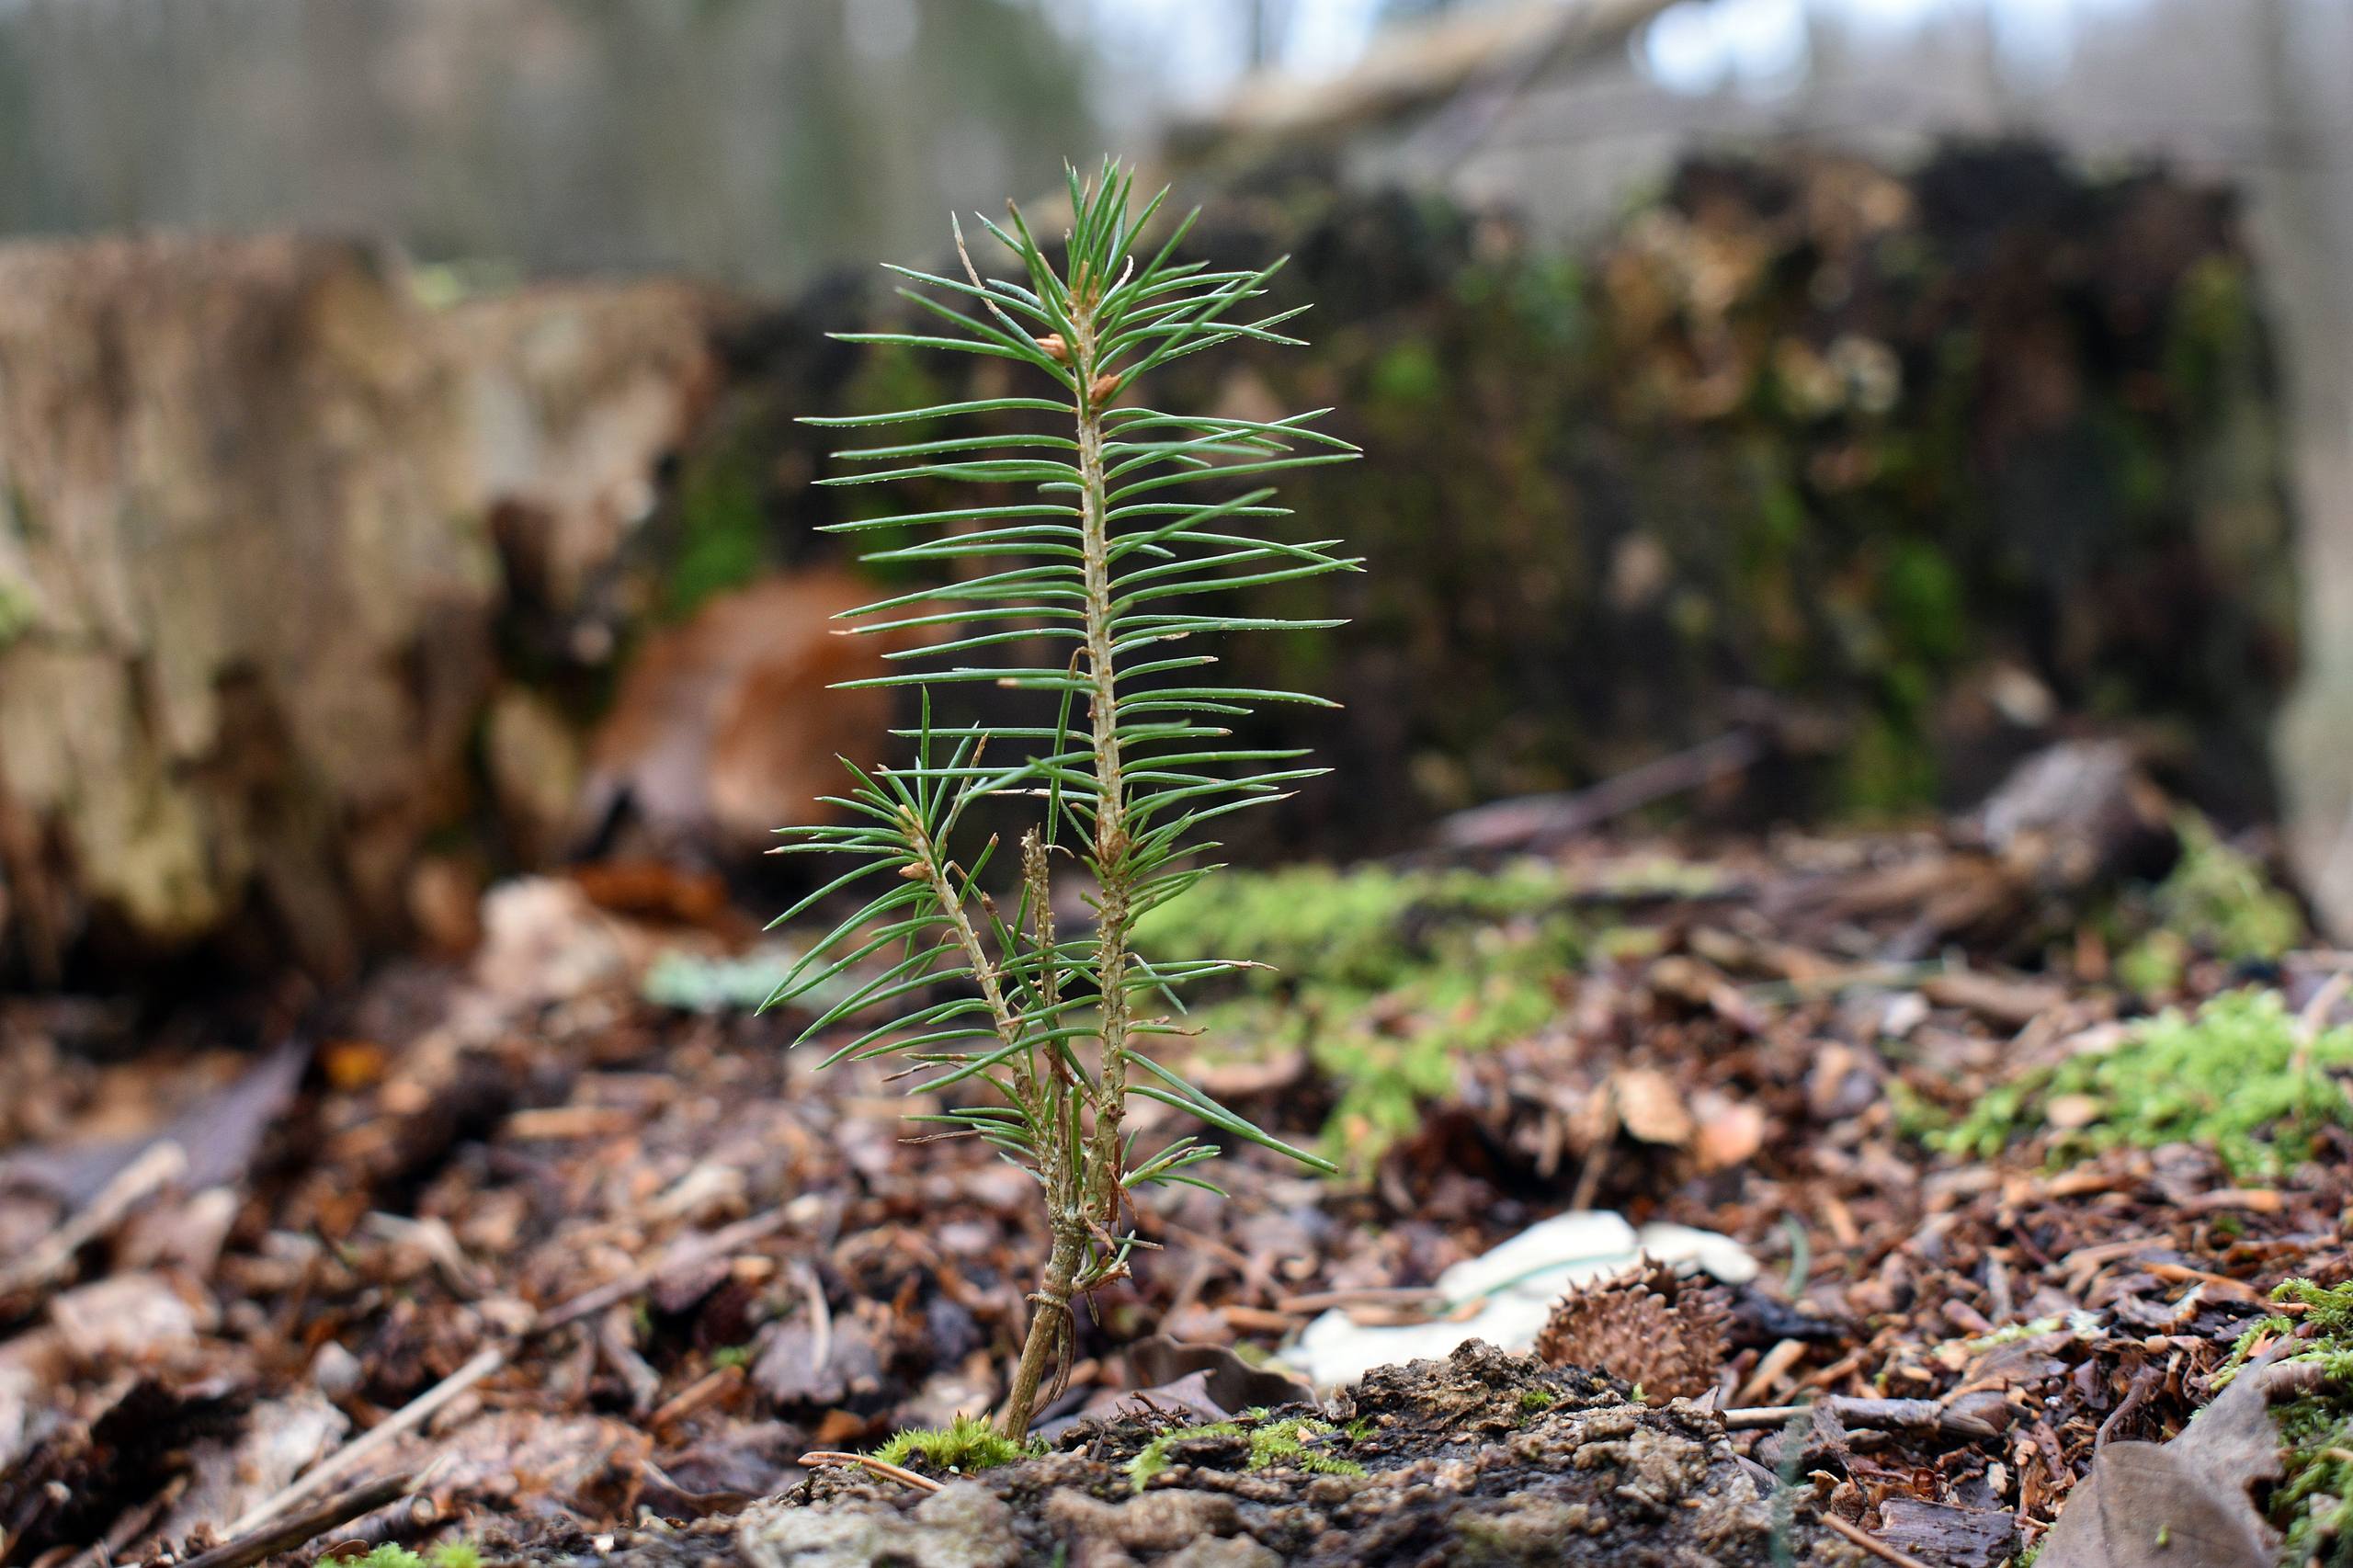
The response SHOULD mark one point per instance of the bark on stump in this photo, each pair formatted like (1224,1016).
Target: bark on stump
(248,571)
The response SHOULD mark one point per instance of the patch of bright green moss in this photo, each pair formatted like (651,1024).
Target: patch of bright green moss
(1385,978)
(2215,900)
(2310,1506)
(17,611)
(965,1445)
(1287,1444)
(2239,1077)
(1352,926)
(456,1554)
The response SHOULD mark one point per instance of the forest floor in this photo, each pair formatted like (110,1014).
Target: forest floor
(554,1251)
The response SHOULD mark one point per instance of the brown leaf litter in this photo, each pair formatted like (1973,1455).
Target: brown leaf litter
(599,1273)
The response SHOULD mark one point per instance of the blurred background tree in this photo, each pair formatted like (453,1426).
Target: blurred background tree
(1657,362)
(735,140)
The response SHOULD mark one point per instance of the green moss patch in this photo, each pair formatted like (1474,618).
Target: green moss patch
(967,1444)
(2216,901)
(455,1555)
(19,612)
(1290,1443)
(1385,978)
(1364,925)
(2240,1077)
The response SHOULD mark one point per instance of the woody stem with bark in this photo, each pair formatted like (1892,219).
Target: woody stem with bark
(1047,1324)
(1078,1208)
(1113,913)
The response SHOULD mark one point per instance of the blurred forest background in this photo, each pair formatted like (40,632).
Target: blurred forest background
(395,402)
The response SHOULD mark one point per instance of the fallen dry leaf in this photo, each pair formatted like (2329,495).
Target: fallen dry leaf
(1230,1382)
(1651,1107)
(729,724)
(1731,1132)
(129,1317)
(2184,1504)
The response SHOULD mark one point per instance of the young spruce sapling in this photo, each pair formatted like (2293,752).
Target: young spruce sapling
(1107,536)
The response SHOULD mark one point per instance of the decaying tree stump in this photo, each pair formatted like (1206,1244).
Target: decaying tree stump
(248,567)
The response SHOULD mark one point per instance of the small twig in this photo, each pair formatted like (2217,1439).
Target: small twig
(2144,1381)
(244,1550)
(2313,1018)
(709,1389)
(1594,1166)
(488,1361)
(1544,821)
(1775,1365)
(615,1338)
(821,1318)
(129,1528)
(1368,1296)
(157,1167)
(1909,1415)
(1873,1543)
(413,1414)
(883,1467)
(438,1243)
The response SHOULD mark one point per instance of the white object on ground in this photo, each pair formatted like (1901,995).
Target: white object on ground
(1514,1287)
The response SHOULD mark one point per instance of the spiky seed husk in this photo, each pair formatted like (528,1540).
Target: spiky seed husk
(1649,1327)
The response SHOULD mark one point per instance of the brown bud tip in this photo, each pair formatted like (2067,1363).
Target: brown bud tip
(1054,346)
(1105,385)
(914,872)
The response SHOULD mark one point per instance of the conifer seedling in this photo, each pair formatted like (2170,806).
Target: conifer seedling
(1092,555)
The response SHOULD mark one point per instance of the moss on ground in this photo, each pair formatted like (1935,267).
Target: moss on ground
(1288,1443)
(2216,901)
(19,612)
(1386,978)
(1354,926)
(2309,1504)
(2241,1077)
(965,1445)
(454,1555)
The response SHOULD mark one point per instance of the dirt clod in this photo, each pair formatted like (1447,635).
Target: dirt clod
(961,1526)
